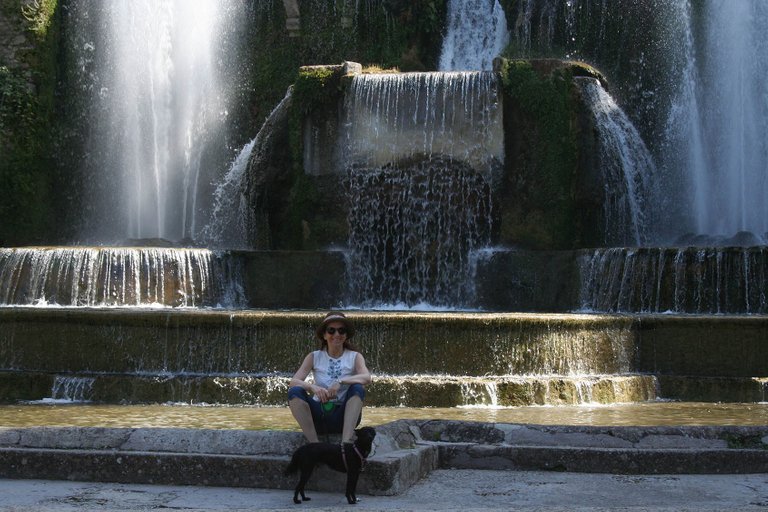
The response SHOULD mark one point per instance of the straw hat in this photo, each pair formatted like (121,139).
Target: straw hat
(335,317)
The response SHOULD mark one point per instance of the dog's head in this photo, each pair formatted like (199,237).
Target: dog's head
(364,441)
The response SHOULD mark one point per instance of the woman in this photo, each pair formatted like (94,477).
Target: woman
(339,376)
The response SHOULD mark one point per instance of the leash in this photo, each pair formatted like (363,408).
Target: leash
(363,460)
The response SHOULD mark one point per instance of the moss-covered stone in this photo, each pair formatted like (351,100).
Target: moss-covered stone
(305,219)
(537,202)
(27,78)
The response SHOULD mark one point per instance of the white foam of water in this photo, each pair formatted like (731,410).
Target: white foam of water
(477,33)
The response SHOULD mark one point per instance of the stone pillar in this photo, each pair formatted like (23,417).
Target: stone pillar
(292,19)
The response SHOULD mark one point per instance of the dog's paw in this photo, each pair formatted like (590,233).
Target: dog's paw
(299,501)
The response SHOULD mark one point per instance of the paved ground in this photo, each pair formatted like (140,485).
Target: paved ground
(442,490)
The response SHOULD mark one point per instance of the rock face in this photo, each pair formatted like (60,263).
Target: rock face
(541,173)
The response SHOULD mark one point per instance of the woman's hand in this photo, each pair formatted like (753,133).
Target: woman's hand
(333,389)
(325,394)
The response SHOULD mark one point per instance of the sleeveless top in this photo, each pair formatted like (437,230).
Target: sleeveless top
(327,369)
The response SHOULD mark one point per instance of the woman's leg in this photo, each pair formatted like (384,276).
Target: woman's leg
(302,413)
(352,411)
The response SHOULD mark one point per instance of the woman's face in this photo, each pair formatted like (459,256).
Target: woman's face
(335,334)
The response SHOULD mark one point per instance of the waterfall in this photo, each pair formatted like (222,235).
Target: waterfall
(157,106)
(421,151)
(718,280)
(227,227)
(724,95)
(627,166)
(477,33)
(80,276)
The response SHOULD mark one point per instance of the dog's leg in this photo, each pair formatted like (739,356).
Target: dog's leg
(306,472)
(352,477)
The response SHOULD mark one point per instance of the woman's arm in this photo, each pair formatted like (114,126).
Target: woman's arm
(300,377)
(361,376)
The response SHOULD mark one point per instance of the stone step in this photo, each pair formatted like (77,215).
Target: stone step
(618,450)
(385,391)
(715,389)
(405,451)
(603,460)
(229,458)
(69,340)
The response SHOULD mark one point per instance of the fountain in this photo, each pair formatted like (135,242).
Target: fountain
(474,221)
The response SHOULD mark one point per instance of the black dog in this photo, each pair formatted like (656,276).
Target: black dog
(347,458)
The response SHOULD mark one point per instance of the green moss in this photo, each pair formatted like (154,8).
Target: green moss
(315,90)
(546,157)
(40,15)
(26,113)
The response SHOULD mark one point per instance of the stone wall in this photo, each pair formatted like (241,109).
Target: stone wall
(15,37)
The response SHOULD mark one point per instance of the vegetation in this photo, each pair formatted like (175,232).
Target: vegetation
(543,157)
(26,112)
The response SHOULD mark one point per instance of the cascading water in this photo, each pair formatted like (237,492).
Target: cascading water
(477,33)
(76,276)
(692,81)
(691,77)
(421,155)
(72,389)
(151,76)
(235,221)
(227,227)
(693,280)
(626,164)
(421,151)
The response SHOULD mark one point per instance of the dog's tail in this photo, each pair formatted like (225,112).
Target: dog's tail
(293,466)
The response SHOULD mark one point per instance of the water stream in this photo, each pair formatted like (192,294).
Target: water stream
(627,167)
(421,155)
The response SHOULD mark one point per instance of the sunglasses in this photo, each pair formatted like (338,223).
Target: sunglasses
(334,330)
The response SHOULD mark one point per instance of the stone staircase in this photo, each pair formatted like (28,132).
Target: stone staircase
(405,452)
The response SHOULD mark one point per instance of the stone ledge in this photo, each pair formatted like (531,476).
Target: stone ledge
(170,456)
(383,475)
(405,452)
(619,461)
